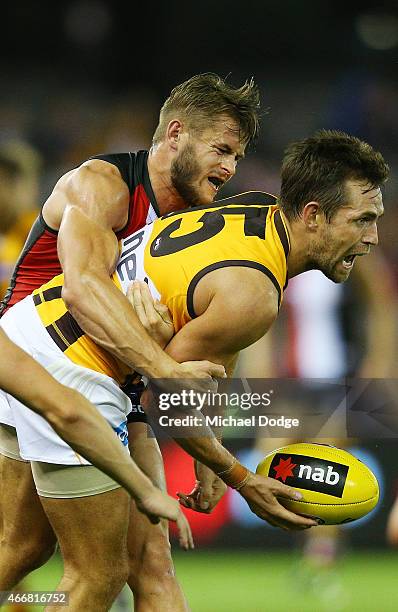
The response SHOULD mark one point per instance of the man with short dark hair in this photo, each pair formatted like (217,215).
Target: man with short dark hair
(332,168)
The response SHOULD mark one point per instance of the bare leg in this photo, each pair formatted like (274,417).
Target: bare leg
(152,577)
(27,539)
(92,534)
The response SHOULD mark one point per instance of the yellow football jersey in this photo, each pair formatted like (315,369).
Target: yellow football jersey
(172,255)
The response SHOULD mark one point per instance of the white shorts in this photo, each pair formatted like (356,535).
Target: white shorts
(36,438)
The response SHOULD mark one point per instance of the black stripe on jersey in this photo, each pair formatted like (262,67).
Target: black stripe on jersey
(248,198)
(36,232)
(123,162)
(48,295)
(133,168)
(65,331)
(283,237)
(52,294)
(141,176)
(47,227)
(57,338)
(244,263)
(280,228)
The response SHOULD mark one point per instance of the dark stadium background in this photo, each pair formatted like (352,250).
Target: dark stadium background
(89,76)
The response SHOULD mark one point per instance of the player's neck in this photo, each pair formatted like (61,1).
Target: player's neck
(167,198)
(299,255)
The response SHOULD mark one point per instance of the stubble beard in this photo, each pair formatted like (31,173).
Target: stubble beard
(330,270)
(184,170)
(319,260)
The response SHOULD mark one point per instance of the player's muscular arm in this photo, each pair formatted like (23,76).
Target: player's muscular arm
(236,307)
(94,199)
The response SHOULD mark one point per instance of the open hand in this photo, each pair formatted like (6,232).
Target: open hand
(154,315)
(159,505)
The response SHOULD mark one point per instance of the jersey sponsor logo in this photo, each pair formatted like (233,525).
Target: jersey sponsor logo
(127,264)
(122,433)
(309,473)
(156,244)
(137,408)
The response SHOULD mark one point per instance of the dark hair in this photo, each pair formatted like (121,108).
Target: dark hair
(205,97)
(317,168)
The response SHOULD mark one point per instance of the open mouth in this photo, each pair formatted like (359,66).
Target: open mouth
(348,261)
(215,182)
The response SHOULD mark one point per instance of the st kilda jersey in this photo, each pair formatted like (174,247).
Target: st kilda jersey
(172,255)
(39,262)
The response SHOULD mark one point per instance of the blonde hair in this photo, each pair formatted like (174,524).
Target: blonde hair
(204,98)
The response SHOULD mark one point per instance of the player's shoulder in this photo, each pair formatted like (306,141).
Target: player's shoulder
(249,198)
(132,165)
(113,163)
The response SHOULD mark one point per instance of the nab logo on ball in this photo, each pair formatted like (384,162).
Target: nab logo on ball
(309,473)
(337,487)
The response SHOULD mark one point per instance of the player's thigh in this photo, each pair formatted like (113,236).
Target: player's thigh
(91,529)
(20,505)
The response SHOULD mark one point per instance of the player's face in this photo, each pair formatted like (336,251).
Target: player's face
(207,161)
(351,231)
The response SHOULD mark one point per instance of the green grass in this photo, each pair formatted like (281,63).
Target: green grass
(273,582)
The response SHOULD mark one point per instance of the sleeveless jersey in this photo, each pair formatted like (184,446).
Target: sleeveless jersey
(172,255)
(38,261)
(11,243)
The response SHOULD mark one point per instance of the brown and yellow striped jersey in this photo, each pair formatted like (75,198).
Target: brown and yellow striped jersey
(172,255)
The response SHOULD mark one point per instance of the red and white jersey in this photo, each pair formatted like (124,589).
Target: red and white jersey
(316,345)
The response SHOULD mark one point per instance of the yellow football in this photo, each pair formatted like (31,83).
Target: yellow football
(337,488)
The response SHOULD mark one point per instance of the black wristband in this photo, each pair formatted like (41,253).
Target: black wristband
(134,392)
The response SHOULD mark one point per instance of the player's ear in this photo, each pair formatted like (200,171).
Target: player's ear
(173,133)
(311,213)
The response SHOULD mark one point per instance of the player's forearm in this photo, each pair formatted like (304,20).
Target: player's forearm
(88,433)
(211,453)
(72,416)
(27,386)
(208,451)
(105,315)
